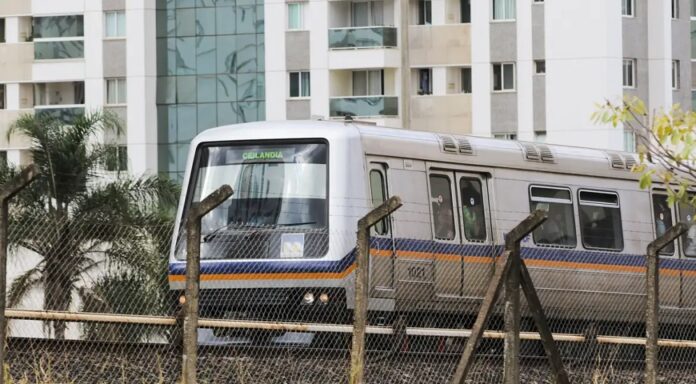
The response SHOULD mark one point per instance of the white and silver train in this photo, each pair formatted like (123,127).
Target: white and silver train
(282,247)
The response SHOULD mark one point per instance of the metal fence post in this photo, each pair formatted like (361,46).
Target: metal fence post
(511,374)
(7,191)
(653,298)
(193,275)
(357,354)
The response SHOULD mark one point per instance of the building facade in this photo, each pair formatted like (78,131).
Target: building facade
(526,69)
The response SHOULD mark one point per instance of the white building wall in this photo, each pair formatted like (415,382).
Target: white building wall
(525,72)
(319,57)
(94,57)
(583,67)
(660,54)
(275,23)
(480,68)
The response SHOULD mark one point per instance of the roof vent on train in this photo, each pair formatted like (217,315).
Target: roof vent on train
(630,162)
(537,152)
(448,143)
(464,145)
(620,162)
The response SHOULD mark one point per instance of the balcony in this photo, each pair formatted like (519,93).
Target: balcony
(66,113)
(362,37)
(58,50)
(364,106)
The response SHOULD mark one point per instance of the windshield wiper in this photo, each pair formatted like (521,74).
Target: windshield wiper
(294,224)
(214,233)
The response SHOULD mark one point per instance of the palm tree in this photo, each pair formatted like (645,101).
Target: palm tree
(81,222)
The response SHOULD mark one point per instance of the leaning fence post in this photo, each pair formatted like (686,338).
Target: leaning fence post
(193,274)
(357,354)
(7,191)
(653,298)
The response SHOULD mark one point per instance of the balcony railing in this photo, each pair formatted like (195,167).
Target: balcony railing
(362,37)
(364,106)
(63,49)
(66,113)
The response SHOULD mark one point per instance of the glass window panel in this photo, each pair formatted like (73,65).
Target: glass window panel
(186,123)
(375,82)
(207,116)
(227,113)
(662,214)
(246,19)
(262,110)
(226,54)
(627,7)
(185,3)
(378,194)
(359,83)
(686,215)
(295,15)
(246,87)
(227,88)
(246,53)
(186,89)
(261,86)
(47,50)
(58,26)
(260,54)
(508,76)
(248,111)
(497,77)
(305,86)
(205,55)
(121,23)
(473,209)
(166,90)
(425,12)
(377,17)
(600,220)
(185,22)
(465,11)
(224,15)
(122,91)
(442,211)
(259,18)
(205,21)
(294,84)
(359,14)
(425,81)
(559,228)
(206,89)
(504,9)
(2,96)
(111,92)
(693,39)
(205,3)
(166,23)
(186,56)
(166,57)
(466,80)
(2,30)
(693,8)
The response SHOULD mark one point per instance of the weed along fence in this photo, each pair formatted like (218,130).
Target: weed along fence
(388,310)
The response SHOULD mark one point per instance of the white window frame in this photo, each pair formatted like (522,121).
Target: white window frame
(634,64)
(676,75)
(119,34)
(115,81)
(502,77)
(299,85)
(633,8)
(302,6)
(493,19)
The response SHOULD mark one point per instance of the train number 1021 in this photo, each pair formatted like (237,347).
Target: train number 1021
(416,272)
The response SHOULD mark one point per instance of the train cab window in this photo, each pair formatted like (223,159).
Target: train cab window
(473,211)
(600,220)
(686,215)
(662,214)
(559,228)
(378,193)
(442,210)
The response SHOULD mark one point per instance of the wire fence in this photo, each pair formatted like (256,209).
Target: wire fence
(276,306)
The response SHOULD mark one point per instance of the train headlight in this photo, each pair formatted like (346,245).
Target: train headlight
(308,298)
(324,298)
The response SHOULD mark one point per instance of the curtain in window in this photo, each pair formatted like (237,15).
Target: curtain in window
(359,83)
(294,16)
(504,9)
(360,16)
(377,13)
(375,82)
(111,92)
(122,91)
(305,84)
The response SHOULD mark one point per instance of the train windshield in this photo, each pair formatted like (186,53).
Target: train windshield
(279,206)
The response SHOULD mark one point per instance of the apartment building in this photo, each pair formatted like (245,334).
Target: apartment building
(70,56)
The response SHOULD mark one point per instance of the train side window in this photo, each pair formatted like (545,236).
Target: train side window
(663,220)
(559,228)
(473,211)
(378,193)
(600,220)
(686,215)
(442,210)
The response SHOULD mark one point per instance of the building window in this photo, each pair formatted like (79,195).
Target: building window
(368,83)
(629,140)
(628,8)
(629,73)
(465,11)
(473,210)
(299,84)
(117,158)
(504,9)
(675,9)
(367,13)
(662,215)
(378,192)
(115,23)
(559,228)
(2,97)
(442,207)
(693,99)
(505,136)
(58,37)
(538,1)
(2,30)
(425,81)
(425,12)
(693,9)
(295,16)
(540,67)
(503,77)
(116,92)
(466,80)
(600,220)
(675,74)
(687,213)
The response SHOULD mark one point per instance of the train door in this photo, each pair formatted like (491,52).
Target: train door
(381,261)
(474,217)
(671,274)
(688,252)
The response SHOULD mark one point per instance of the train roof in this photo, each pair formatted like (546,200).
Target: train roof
(441,147)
